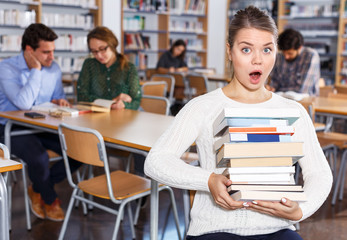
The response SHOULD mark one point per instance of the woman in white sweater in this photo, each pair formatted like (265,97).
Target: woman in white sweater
(215,215)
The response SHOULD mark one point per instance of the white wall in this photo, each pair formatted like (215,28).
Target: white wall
(217,19)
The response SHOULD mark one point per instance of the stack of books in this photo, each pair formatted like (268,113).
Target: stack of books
(256,147)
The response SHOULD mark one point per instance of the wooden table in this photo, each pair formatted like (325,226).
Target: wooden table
(6,165)
(128,130)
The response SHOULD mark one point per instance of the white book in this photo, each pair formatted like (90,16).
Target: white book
(258,170)
(291,114)
(254,178)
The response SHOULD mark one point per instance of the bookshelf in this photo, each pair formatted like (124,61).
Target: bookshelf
(149,29)
(70,20)
(318,21)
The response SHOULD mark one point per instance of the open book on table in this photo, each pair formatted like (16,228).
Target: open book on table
(56,110)
(98,105)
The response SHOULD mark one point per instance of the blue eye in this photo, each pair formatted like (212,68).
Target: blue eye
(267,50)
(246,50)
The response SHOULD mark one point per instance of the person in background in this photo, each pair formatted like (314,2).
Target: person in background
(173,60)
(108,74)
(297,67)
(252,48)
(26,80)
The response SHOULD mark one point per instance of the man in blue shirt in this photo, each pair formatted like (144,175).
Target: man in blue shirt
(29,79)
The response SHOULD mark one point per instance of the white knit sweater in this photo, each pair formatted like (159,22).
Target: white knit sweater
(194,123)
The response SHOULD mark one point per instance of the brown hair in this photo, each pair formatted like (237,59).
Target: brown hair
(106,35)
(250,17)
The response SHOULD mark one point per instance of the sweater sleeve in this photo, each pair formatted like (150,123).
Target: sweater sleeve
(163,162)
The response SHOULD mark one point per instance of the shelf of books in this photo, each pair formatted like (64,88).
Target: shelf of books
(257,150)
(150,27)
(318,21)
(71,21)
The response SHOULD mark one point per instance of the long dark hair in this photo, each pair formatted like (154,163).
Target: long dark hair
(250,17)
(179,42)
(106,35)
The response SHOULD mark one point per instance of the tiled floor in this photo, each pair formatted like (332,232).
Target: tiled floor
(328,223)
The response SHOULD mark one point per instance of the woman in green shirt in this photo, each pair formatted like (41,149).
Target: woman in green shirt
(108,75)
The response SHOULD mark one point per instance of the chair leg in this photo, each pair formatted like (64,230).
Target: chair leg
(119,217)
(131,221)
(339,177)
(342,186)
(186,208)
(137,211)
(67,215)
(26,197)
(174,210)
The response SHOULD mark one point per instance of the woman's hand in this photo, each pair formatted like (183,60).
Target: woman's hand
(217,184)
(61,102)
(119,101)
(284,209)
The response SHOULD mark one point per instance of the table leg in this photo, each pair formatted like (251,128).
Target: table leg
(154,210)
(4,231)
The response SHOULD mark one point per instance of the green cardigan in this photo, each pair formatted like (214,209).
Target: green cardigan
(98,81)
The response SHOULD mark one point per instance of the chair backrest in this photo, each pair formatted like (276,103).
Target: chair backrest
(198,84)
(154,88)
(150,72)
(341,89)
(170,80)
(324,91)
(180,86)
(337,95)
(4,153)
(154,104)
(82,144)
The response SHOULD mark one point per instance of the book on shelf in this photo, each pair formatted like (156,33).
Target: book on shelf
(265,187)
(259,149)
(249,195)
(251,123)
(291,115)
(257,162)
(250,137)
(98,105)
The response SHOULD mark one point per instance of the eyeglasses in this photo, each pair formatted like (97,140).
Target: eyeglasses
(101,50)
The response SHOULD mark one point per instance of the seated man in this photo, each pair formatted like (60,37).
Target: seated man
(29,79)
(297,67)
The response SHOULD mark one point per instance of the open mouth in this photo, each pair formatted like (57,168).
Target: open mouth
(255,74)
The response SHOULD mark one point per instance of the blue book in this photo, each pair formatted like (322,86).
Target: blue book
(250,122)
(249,137)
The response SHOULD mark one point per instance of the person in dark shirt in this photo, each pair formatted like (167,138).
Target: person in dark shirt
(173,60)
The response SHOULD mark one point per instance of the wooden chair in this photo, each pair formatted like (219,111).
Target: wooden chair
(157,88)
(170,80)
(87,146)
(326,90)
(198,85)
(181,86)
(154,104)
(149,72)
(341,89)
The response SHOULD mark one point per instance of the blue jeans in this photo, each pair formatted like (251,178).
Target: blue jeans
(285,234)
(32,150)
